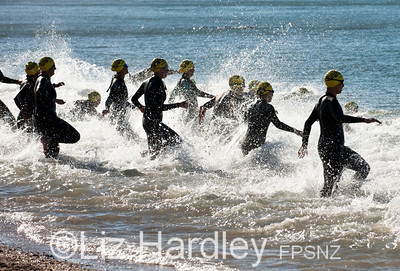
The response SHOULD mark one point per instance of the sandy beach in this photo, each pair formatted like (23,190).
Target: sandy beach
(16,259)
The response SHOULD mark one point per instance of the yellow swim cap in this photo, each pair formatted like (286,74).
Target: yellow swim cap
(158,64)
(94,96)
(186,65)
(253,85)
(236,81)
(303,90)
(264,88)
(351,106)
(118,65)
(31,68)
(333,78)
(46,63)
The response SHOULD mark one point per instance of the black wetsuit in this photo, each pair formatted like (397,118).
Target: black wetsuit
(25,101)
(5,113)
(83,108)
(7,80)
(117,103)
(259,116)
(188,89)
(45,118)
(154,91)
(334,155)
(118,97)
(230,105)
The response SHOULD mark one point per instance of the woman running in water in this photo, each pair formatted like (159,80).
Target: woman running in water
(159,135)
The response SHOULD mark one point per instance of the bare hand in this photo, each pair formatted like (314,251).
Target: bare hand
(105,112)
(59,84)
(184,104)
(142,109)
(25,116)
(372,120)
(302,152)
(202,113)
(298,132)
(59,101)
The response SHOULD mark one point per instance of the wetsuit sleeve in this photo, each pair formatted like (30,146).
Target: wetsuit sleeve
(214,101)
(50,94)
(20,99)
(337,113)
(307,126)
(45,95)
(174,93)
(274,119)
(17,101)
(113,95)
(166,107)
(7,80)
(139,93)
(210,103)
(157,95)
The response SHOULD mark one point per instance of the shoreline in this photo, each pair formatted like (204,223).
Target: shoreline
(19,253)
(18,259)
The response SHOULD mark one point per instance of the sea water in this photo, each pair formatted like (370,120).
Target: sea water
(204,206)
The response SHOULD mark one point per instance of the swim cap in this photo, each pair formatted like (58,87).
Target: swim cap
(333,78)
(158,64)
(236,81)
(303,90)
(264,88)
(46,63)
(253,85)
(31,68)
(118,65)
(351,106)
(186,65)
(94,96)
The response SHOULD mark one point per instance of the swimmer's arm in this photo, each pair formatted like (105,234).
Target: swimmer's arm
(307,127)
(135,99)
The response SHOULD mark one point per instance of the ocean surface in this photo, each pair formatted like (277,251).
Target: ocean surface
(205,206)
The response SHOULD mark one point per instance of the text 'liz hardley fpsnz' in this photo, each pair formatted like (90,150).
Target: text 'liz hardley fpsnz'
(65,245)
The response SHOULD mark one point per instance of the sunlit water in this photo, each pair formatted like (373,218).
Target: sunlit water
(101,188)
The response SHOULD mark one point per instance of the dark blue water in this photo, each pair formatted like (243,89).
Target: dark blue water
(290,42)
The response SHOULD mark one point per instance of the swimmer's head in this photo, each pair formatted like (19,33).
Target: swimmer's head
(303,90)
(264,88)
(236,81)
(46,63)
(94,96)
(118,65)
(351,107)
(253,86)
(186,65)
(157,64)
(31,68)
(333,78)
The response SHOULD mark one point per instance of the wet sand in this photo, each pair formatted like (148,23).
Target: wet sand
(17,259)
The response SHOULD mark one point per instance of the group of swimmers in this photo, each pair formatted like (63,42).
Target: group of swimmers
(38,98)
